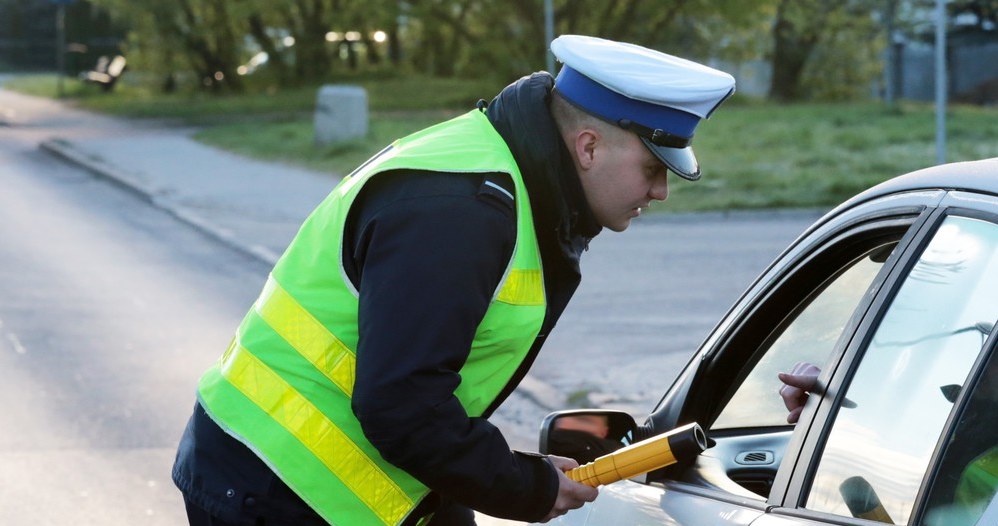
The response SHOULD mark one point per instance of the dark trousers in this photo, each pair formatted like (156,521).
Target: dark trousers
(453,515)
(199,517)
(447,515)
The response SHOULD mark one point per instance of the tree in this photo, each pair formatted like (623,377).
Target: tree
(825,48)
(304,40)
(275,59)
(316,31)
(206,30)
(198,35)
(508,36)
(796,30)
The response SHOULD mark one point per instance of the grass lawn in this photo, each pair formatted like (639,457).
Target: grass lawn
(293,141)
(817,155)
(132,99)
(754,155)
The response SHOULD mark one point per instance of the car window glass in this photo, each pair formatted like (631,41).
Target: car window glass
(810,337)
(888,425)
(968,474)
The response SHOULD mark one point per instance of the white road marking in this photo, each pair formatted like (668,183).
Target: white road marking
(13,339)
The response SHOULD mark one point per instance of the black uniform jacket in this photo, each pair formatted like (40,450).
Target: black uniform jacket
(427,251)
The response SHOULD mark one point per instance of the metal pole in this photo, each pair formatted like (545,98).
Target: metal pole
(60,46)
(941,81)
(549,34)
(890,89)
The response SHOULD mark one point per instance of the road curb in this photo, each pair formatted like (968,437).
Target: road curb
(67,151)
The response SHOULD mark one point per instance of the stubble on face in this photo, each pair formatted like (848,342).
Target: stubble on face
(618,183)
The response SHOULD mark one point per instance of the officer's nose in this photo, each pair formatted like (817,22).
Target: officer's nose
(659,190)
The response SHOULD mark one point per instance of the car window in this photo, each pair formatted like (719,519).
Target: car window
(889,421)
(810,337)
(968,473)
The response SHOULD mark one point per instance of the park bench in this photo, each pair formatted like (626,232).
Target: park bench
(106,72)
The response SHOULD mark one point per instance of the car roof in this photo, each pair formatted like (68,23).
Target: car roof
(973,176)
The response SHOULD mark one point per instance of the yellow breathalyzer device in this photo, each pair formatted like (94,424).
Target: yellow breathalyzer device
(682,443)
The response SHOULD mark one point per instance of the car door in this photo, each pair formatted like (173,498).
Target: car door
(820,287)
(904,432)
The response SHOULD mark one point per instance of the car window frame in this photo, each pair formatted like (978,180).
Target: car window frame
(867,223)
(848,244)
(879,224)
(920,507)
(958,206)
(811,442)
(668,411)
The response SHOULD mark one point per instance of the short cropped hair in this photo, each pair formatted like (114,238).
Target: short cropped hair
(570,119)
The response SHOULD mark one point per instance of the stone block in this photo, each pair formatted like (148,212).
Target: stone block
(340,114)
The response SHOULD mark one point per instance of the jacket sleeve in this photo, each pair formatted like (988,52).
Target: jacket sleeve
(427,268)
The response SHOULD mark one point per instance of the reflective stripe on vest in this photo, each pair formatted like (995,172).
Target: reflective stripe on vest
(284,386)
(316,432)
(310,338)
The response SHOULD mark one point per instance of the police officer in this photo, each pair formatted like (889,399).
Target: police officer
(416,296)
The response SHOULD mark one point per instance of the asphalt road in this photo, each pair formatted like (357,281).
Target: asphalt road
(109,311)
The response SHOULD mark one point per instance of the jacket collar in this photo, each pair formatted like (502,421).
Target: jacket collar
(521,115)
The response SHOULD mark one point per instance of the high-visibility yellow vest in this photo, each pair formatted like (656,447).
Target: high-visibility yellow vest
(284,385)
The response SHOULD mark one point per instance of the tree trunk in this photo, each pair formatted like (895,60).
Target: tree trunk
(444,34)
(373,55)
(316,27)
(394,42)
(312,61)
(792,45)
(207,61)
(226,45)
(274,58)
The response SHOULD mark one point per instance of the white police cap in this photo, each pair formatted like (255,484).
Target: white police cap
(660,97)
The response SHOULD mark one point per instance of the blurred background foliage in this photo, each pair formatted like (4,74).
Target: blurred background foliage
(820,124)
(815,49)
(311,40)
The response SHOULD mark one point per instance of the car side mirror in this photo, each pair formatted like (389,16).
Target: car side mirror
(586,434)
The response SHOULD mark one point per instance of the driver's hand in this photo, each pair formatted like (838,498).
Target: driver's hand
(571,494)
(796,386)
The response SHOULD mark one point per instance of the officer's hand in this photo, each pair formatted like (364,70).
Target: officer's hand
(796,385)
(571,494)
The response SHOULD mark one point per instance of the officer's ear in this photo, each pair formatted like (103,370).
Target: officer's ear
(584,147)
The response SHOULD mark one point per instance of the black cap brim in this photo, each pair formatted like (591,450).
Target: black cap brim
(682,161)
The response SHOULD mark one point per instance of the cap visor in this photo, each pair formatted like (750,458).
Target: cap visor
(679,160)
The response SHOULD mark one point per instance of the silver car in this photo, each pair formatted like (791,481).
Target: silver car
(894,295)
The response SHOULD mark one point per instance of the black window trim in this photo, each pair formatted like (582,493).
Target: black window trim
(846,242)
(868,227)
(959,406)
(800,448)
(973,376)
(667,413)
(839,247)
(814,439)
